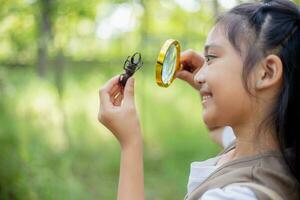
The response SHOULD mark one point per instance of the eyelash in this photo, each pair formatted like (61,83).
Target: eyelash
(209,57)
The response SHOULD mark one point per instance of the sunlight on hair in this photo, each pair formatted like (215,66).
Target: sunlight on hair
(227,4)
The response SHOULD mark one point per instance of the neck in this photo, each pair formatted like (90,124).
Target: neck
(249,142)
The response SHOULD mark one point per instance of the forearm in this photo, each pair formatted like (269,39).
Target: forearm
(131,181)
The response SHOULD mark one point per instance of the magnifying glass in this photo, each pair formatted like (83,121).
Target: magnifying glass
(168,63)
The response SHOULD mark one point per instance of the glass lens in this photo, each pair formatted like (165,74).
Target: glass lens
(169,65)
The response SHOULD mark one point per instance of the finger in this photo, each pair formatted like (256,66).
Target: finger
(104,96)
(186,76)
(105,100)
(111,84)
(115,89)
(129,92)
(118,99)
(116,93)
(191,59)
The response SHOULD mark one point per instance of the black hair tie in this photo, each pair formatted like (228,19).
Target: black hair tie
(265,5)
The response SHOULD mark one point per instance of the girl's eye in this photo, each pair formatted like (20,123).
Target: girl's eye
(209,57)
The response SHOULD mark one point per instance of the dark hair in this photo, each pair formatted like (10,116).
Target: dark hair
(256,30)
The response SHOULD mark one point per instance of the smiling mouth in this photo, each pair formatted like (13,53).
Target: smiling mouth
(206,98)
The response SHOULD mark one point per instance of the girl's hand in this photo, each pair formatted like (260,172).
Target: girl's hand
(118,111)
(192,62)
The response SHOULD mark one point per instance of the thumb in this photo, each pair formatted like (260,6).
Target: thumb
(186,76)
(129,91)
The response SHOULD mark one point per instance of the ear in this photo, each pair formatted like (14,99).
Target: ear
(269,72)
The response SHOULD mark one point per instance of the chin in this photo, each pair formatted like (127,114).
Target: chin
(212,118)
(209,120)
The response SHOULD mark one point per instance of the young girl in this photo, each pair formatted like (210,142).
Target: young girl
(249,80)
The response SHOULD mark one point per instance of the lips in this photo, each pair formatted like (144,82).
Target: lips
(206,95)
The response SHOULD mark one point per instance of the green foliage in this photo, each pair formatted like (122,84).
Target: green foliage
(43,158)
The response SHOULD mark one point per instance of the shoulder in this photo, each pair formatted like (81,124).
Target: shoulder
(273,172)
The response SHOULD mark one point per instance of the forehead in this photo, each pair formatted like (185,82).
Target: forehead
(216,39)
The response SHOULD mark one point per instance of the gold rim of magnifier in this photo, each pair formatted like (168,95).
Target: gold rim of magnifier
(161,59)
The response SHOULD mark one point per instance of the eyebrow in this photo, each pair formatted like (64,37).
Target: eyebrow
(212,45)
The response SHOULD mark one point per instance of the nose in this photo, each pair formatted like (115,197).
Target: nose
(199,77)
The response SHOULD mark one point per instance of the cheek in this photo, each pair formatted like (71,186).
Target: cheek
(231,101)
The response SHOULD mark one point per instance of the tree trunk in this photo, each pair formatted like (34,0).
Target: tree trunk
(59,71)
(44,35)
(216,8)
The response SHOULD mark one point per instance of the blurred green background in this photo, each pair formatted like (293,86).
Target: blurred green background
(54,57)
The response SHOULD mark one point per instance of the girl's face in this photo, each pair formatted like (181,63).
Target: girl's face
(225,100)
